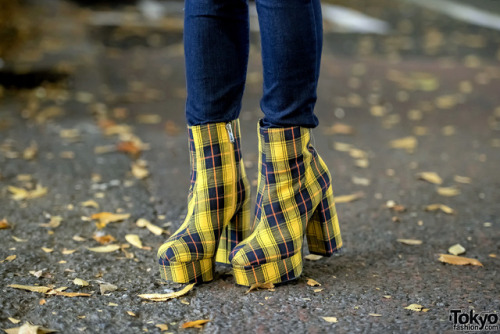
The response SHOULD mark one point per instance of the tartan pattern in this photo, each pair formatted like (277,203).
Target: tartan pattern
(294,199)
(218,206)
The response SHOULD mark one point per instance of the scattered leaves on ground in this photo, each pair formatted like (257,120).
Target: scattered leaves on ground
(19,194)
(446,209)
(28,328)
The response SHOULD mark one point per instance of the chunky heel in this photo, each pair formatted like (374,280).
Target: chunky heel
(188,272)
(323,233)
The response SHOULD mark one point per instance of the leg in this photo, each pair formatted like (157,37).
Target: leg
(216,45)
(292,39)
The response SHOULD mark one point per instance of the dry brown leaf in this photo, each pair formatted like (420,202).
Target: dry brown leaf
(9,258)
(104,249)
(20,193)
(162,327)
(4,224)
(313,257)
(458,260)
(410,241)
(414,307)
(129,147)
(195,324)
(159,297)
(107,217)
(442,207)
(106,287)
(80,282)
(312,282)
(349,198)
(448,191)
(90,203)
(103,239)
(408,143)
(431,177)
(330,319)
(28,328)
(456,249)
(256,286)
(54,222)
(134,240)
(40,289)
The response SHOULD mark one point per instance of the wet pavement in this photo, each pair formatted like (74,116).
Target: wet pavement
(116,100)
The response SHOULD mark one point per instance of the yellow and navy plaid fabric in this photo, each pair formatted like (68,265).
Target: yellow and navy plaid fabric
(218,206)
(294,198)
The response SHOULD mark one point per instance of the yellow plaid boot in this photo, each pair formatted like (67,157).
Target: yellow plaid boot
(294,199)
(218,206)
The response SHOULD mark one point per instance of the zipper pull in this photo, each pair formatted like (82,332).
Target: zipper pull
(230,132)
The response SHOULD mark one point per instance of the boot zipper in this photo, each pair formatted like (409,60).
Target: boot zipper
(230,132)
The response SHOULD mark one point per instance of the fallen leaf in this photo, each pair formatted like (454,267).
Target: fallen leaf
(162,327)
(431,177)
(106,287)
(40,289)
(139,169)
(318,290)
(112,304)
(158,297)
(90,203)
(131,313)
(103,239)
(387,296)
(149,119)
(134,240)
(73,294)
(442,207)
(107,217)
(458,260)
(462,179)
(20,193)
(14,320)
(104,249)
(4,224)
(9,258)
(66,251)
(104,149)
(312,282)
(80,282)
(28,328)
(414,307)
(47,250)
(456,249)
(448,191)
(54,222)
(340,128)
(313,257)
(30,152)
(349,198)
(129,147)
(330,319)
(16,239)
(195,324)
(257,286)
(408,143)
(375,314)
(410,241)
(157,230)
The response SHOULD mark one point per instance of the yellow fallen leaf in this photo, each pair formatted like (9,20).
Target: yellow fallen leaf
(387,296)
(158,297)
(104,249)
(410,241)
(162,327)
(458,260)
(257,286)
(28,328)
(47,250)
(105,218)
(73,294)
(134,240)
(4,224)
(149,119)
(103,239)
(20,193)
(330,319)
(375,314)
(41,289)
(68,251)
(456,249)
(139,170)
(90,203)
(30,152)
(131,313)
(349,198)
(112,304)
(9,258)
(313,257)
(414,307)
(493,255)
(16,239)
(80,282)
(14,320)
(106,287)
(195,324)
(431,177)
(448,191)
(312,282)
(408,143)
(462,179)
(442,207)
(156,230)
(340,128)
(54,222)
(78,238)
(343,147)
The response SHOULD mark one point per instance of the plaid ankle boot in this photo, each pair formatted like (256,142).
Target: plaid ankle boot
(218,206)
(294,199)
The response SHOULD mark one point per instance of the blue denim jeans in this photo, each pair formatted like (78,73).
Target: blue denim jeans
(216,46)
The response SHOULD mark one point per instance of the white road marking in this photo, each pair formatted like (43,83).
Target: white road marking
(462,12)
